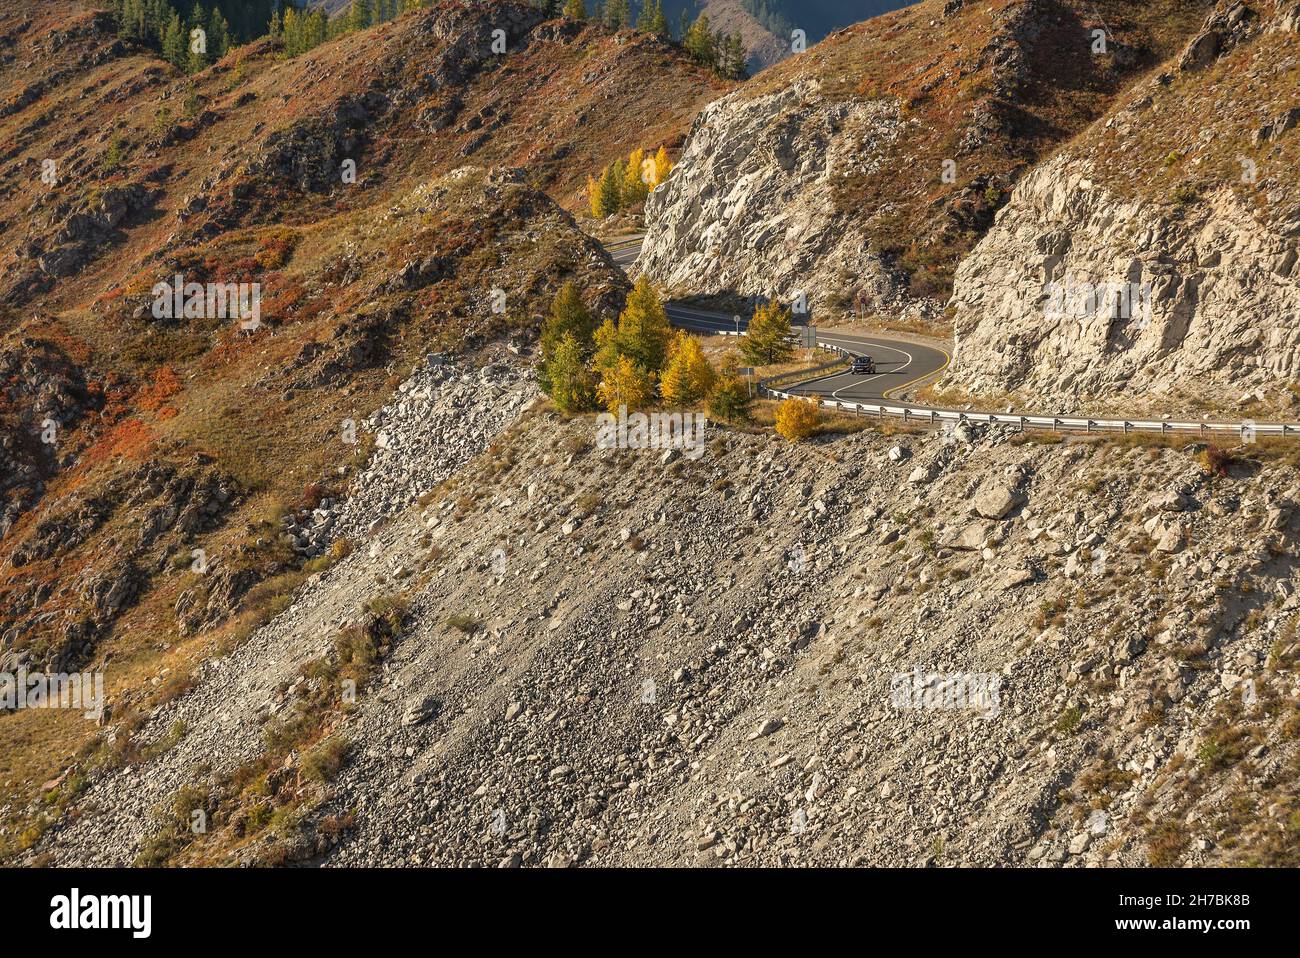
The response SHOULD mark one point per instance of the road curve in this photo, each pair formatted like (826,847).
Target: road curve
(899,363)
(902,364)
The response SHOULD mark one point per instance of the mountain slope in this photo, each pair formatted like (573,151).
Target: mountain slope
(161,472)
(826,174)
(1203,223)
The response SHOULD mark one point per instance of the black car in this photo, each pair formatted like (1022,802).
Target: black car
(863,366)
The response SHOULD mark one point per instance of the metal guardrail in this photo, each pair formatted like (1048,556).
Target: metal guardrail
(925,415)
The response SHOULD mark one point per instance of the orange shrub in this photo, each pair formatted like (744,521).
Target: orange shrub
(130,438)
(164,386)
(798,418)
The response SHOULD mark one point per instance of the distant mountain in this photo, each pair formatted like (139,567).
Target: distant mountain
(766,25)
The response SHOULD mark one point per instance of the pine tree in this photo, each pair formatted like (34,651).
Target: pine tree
(688,377)
(699,43)
(734,56)
(360,16)
(643,329)
(575,9)
(316,29)
(196,44)
(659,22)
(174,50)
(569,318)
(768,338)
(625,384)
(617,15)
(610,191)
(730,399)
(569,381)
(218,35)
(292,32)
(130,18)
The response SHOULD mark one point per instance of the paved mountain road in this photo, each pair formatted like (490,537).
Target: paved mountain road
(902,364)
(899,363)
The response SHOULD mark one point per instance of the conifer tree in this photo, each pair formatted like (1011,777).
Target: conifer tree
(575,9)
(625,384)
(688,377)
(659,22)
(610,191)
(174,50)
(569,381)
(730,400)
(768,339)
(643,328)
(196,43)
(699,42)
(569,318)
(359,16)
(218,35)
(663,166)
(292,32)
(634,188)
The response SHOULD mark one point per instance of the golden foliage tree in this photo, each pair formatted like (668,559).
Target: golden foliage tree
(689,376)
(798,417)
(768,338)
(625,384)
(635,187)
(663,166)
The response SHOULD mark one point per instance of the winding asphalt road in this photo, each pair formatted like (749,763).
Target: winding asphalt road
(899,363)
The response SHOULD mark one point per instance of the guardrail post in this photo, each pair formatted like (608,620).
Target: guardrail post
(1164,427)
(1127,424)
(1088,428)
(906,412)
(1056,424)
(1023,422)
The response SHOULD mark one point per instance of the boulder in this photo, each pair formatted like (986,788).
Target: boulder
(996,502)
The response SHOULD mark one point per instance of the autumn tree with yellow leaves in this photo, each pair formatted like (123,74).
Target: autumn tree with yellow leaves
(626,183)
(689,377)
(625,384)
(798,417)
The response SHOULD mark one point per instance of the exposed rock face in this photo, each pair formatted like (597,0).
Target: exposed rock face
(1222,289)
(1189,235)
(748,209)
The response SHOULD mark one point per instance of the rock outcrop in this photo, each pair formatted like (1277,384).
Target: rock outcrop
(747,208)
(1210,299)
(861,172)
(1146,265)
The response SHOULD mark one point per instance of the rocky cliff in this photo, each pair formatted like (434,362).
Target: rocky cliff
(861,172)
(1200,229)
